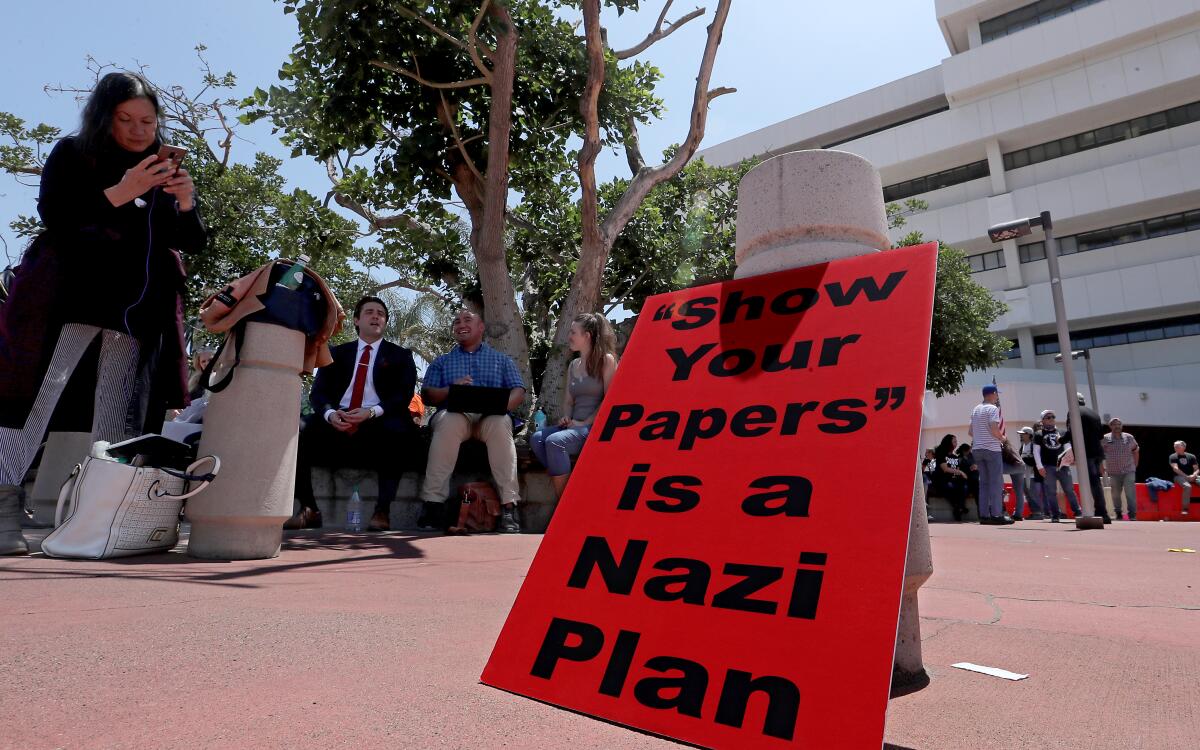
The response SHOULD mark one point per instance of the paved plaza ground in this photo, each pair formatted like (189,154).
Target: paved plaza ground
(378,640)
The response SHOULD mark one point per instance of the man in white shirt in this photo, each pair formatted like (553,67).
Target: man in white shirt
(360,416)
(987,437)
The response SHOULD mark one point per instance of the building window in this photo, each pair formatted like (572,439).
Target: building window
(1130,333)
(889,126)
(986,261)
(1121,234)
(935,181)
(1015,351)
(1121,131)
(1029,15)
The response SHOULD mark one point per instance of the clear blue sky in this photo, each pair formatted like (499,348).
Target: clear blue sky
(784,57)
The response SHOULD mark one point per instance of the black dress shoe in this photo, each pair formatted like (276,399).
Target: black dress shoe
(1005,520)
(433,517)
(1107,519)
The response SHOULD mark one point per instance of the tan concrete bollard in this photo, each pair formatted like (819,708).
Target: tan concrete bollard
(63,450)
(807,207)
(253,427)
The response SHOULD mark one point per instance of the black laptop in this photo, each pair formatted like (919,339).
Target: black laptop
(477,399)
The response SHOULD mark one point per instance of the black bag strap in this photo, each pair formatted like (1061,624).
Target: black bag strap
(237,333)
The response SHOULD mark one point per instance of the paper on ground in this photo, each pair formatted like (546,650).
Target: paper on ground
(993,671)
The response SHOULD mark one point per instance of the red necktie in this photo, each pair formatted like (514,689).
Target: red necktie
(360,378)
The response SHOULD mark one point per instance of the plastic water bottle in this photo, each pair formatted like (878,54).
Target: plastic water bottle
(354,511)
(539,419)
(294,276)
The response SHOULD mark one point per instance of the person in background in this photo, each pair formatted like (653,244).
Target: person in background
(988,437)
(967,462)
(588,377)
(928,467)
(1121,455)
(1016,474)
(360,416)
(1093,439)
(196,383)
(1047,449)
(107,268)
(470,362)
(1187,473)
(949,480)
(1034,487)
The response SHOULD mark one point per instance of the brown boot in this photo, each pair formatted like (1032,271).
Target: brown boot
(379,522)
(12,542)
(307,518)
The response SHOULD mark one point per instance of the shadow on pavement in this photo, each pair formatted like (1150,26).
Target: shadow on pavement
(176,567)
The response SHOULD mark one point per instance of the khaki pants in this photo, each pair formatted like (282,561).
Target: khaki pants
(450,430)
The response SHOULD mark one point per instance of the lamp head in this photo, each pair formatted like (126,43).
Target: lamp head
(1010,230)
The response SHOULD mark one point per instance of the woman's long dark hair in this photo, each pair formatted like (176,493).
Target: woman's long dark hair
(944,448)
(604,342)
(95,128)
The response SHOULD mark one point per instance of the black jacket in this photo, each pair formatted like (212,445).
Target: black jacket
(394,375)
(118,265)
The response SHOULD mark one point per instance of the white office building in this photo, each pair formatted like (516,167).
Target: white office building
(1089,109)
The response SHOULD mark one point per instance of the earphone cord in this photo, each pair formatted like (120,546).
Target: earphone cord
(149,247)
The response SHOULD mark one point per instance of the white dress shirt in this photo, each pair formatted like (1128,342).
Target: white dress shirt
(370,397)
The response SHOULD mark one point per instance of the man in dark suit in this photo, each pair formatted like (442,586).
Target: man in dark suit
(360,416)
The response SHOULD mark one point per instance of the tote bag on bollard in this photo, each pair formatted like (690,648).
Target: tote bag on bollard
(117,510)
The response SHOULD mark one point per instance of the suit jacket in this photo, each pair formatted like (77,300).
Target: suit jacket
(395,377)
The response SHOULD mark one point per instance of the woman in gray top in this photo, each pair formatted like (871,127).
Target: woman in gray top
(588,377)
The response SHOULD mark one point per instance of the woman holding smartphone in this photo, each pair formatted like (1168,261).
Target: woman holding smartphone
(106,271)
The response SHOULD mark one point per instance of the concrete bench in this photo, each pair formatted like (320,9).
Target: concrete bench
(332,489)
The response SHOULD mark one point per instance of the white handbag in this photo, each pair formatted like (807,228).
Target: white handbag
(117,510)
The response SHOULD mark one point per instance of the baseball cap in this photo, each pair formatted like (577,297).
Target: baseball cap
(1026,430)
(990,389)
(1115,419)
(1079,397)
(1047,413)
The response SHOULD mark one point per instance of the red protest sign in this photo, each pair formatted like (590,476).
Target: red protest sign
(726,565)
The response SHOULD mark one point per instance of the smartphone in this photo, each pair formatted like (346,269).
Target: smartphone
(173,154)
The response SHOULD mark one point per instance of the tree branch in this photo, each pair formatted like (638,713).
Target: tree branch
(374,221)
(458,141)
(647,179)
(227,144)
(416,286)
(474,45)
(658,32)
(432,84)
(633,147)
(407,13)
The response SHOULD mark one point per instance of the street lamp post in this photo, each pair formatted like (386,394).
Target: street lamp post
(1020,228)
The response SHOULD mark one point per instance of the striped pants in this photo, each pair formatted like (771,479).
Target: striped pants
(115,416)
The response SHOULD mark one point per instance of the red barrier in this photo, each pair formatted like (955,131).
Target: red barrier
(1169,506)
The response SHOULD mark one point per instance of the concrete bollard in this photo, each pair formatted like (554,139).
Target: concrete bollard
(253,427)
(63,450)
(808,207)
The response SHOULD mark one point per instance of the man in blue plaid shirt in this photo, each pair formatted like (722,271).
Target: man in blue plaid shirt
(471,362)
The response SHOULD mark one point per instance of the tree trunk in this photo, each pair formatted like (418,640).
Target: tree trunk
(505,330)
(598,237)
(584,295)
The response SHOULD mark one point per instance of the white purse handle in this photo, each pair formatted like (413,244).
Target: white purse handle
(188,474)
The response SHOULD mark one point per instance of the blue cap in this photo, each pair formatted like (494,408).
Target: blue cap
(990,389)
